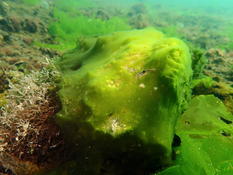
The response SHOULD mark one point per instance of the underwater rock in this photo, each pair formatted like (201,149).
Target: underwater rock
(30,25)
(121,95)
(7,38)
(139,21)
(205,131)
(101,14)
(137,9)
(138,17)
(50,52)
(10,165)
(220,66)
(16,24)
(10,24)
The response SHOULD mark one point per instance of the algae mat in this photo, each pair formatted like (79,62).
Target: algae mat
(205,130)
(121,95)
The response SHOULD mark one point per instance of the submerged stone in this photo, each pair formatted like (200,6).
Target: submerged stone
(121,96)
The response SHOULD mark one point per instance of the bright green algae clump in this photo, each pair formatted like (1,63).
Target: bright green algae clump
(205,130)
(124,92)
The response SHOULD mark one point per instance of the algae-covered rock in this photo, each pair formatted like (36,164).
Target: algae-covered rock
(205,130)
(121,94)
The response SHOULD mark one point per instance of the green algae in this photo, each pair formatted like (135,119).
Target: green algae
(74,19)
(68,28)
(3,100)
(115,117)
(199,61)
(228,31)
(125,91)
(205,130)
(31,2)
(73,5)
(201,84)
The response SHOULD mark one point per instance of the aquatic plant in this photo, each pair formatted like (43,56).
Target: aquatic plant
(70,6)
(231,66)
(26,110)
(202,85)
(67,29)
(171,31)
(203,133)
(228,33)
(199,61)
(122,93)
(31,2)
(3,81)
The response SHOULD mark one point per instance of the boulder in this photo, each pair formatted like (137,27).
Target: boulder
(121,95)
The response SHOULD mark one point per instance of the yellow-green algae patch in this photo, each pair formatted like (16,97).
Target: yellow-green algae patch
(127,88)
(205,131)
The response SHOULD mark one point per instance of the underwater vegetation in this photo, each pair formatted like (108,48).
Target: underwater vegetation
(199,61)
(71,5)
(82,26)
(66,34)
(31,2)
(115,87)
(228,32)
(125,102)
(204,133)
(128,93)
(27,104)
